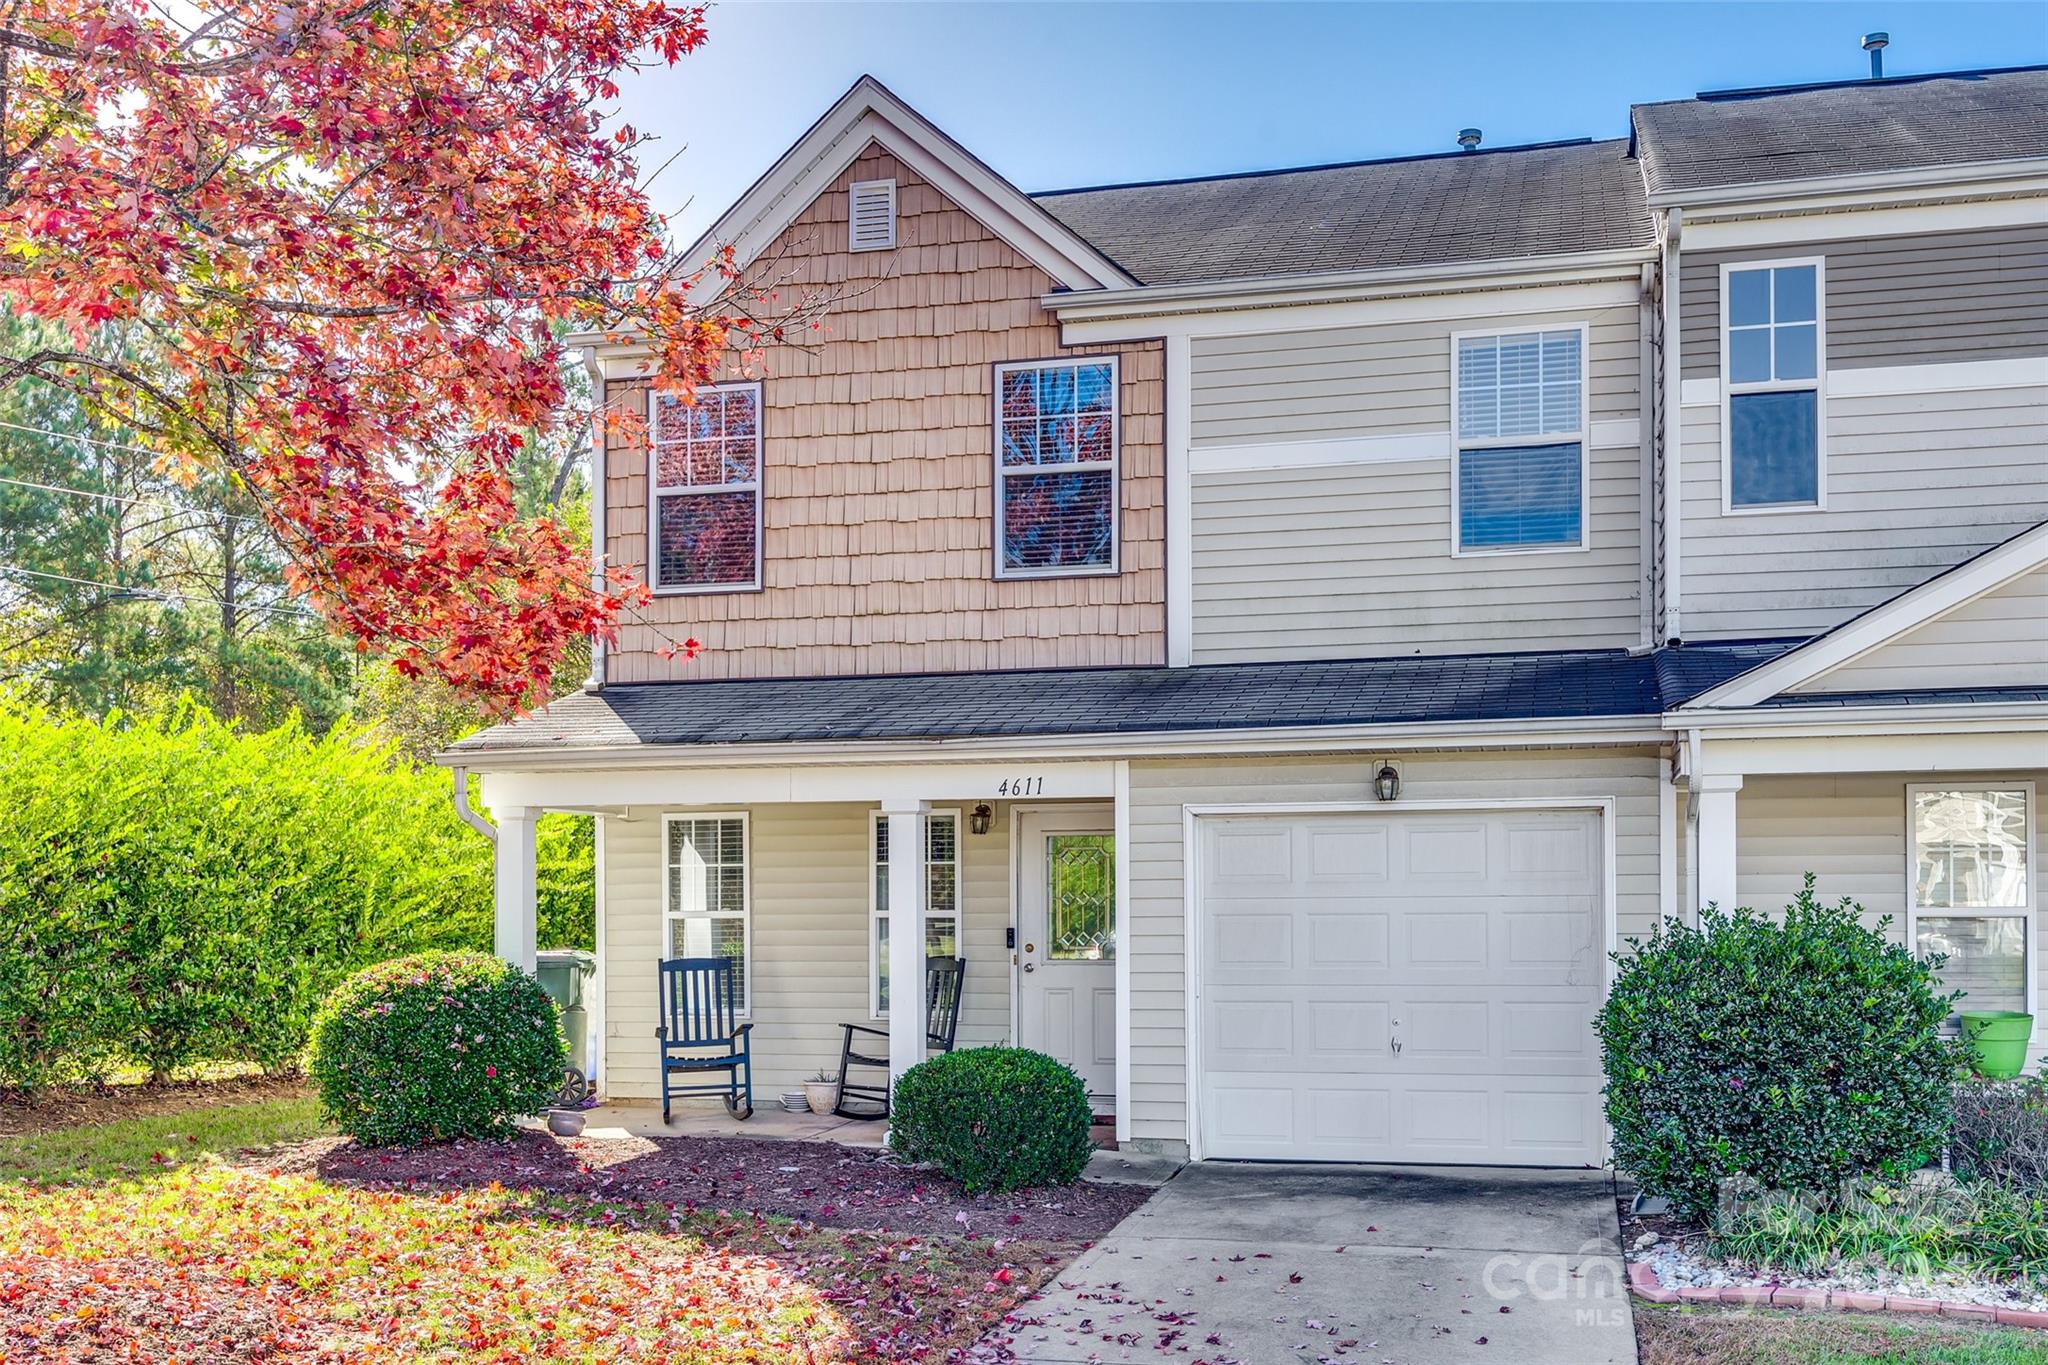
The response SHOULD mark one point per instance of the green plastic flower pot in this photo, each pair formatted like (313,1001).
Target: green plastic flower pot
(1998,1041)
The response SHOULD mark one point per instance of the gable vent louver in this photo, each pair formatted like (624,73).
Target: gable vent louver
(872,215)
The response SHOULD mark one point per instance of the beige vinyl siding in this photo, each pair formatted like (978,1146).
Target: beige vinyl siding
(1156,934)
(811,867)
(1355,559)
(1850,832)
(1916,484)
(1939,297)
(1997,640)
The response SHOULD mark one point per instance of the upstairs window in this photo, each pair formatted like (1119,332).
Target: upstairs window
(1056,457)
(1772,343)
(705,481)
(1518,480)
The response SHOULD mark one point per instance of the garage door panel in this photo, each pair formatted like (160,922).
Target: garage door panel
(1469,937)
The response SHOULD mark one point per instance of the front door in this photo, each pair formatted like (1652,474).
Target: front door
(1066,942)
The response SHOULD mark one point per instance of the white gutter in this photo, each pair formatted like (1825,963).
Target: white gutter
(1341,286)
(467,811)
(1669,469)
(1830,719)
(1604,730)
(599,496)
(1930,177)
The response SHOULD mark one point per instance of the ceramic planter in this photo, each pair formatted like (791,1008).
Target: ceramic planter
(565,1122)
(821,1095)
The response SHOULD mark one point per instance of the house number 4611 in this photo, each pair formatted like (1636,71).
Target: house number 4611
(1021,786)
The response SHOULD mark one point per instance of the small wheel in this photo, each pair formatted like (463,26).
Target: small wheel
(738,1109)
(575,1089)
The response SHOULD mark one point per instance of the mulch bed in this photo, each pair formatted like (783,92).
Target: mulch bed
(816,1182)
(22,1115)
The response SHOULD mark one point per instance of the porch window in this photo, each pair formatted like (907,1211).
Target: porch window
(941,904)
(1519,482)
(1056,456)
(706,895)
(1972,892)
(705,490)
(1772,344)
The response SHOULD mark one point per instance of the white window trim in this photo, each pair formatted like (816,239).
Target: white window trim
(1583,436)
(1818,384)
(878,912)
(853,193)
(656,490)
(1115,466)
(669,914)
(2029,913)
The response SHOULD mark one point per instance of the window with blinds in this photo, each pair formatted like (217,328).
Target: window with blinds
(1518,476)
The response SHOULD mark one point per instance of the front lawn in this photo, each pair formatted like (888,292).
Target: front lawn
(162,1239)
(1716,1336)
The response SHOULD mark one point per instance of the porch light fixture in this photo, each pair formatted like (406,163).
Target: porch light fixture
(978,818)
(1386,783)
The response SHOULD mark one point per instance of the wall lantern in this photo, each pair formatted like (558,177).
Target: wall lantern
(1386,783)
(978,818)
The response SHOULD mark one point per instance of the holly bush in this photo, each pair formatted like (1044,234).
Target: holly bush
(993,1118)
(1796,1052)
(435,1046)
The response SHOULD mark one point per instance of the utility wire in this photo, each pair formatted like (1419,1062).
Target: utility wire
(158,595)
(75,436)
(129,502)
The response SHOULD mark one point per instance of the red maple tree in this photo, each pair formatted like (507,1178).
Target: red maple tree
(337,243)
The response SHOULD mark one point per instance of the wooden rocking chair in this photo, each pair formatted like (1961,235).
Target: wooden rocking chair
(701,1035)
(870,1099)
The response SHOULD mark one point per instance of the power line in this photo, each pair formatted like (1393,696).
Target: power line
(75,436)
(158,595)
(128,502)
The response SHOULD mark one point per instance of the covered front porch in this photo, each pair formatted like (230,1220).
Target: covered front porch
(824,885)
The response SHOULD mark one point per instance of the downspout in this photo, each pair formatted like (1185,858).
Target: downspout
(1674,402)
(598,498)
(1646,521)
(467,811)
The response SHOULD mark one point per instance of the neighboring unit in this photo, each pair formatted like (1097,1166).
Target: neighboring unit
(1284,631)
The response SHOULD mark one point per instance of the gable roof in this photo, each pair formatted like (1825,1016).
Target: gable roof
(1882,624)
(1794,133)
(869,113)
(1511,202)
(1577,684)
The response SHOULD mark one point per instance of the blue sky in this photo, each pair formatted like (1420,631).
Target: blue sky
(1059,95)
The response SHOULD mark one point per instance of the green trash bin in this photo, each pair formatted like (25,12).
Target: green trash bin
(1998,1041)
(565,975)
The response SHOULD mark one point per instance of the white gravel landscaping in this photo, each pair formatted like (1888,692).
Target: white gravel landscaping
(1677,1265)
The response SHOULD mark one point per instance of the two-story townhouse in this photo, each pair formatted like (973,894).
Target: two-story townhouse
(1284,630)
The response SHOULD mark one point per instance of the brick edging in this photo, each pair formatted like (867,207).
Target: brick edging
(1643,1281)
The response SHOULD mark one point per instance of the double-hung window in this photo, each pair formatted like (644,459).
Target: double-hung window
(1056,464)
(1972,892)
(1518,476)
(941,899)
(704,481)
(706,898)
(1772,342)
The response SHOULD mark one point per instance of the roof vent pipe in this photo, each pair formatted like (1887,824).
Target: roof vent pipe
(1875,44)
(1468,138)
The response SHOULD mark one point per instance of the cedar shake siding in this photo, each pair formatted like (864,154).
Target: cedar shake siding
(877,473)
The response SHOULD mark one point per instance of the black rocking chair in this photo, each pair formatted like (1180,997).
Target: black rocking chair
(870,1100)
(701,1036)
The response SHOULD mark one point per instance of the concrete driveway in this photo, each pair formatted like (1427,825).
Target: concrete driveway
(1260,1264)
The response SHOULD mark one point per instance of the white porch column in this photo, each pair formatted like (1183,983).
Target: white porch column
(1716,873)
(906,933)
(515,921)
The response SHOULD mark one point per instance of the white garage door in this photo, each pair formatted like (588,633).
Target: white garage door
(1401,986)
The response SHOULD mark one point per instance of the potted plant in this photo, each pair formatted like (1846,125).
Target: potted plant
(821,1092)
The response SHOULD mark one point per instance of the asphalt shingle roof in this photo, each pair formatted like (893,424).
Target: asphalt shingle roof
(1111,701)
(1431,210)
(1901,123)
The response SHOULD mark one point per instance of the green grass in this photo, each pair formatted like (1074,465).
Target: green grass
(1719,1336)
(133,1148)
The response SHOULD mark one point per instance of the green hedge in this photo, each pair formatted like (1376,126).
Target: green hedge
(1796,1052)
(436,1046)
(174,890)
(993,1118)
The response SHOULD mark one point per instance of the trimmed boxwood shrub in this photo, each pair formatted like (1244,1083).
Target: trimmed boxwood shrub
(1797,1053)
(440,1045)
(993,1118)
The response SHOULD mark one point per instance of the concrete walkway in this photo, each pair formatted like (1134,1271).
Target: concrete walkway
(1262,1264)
